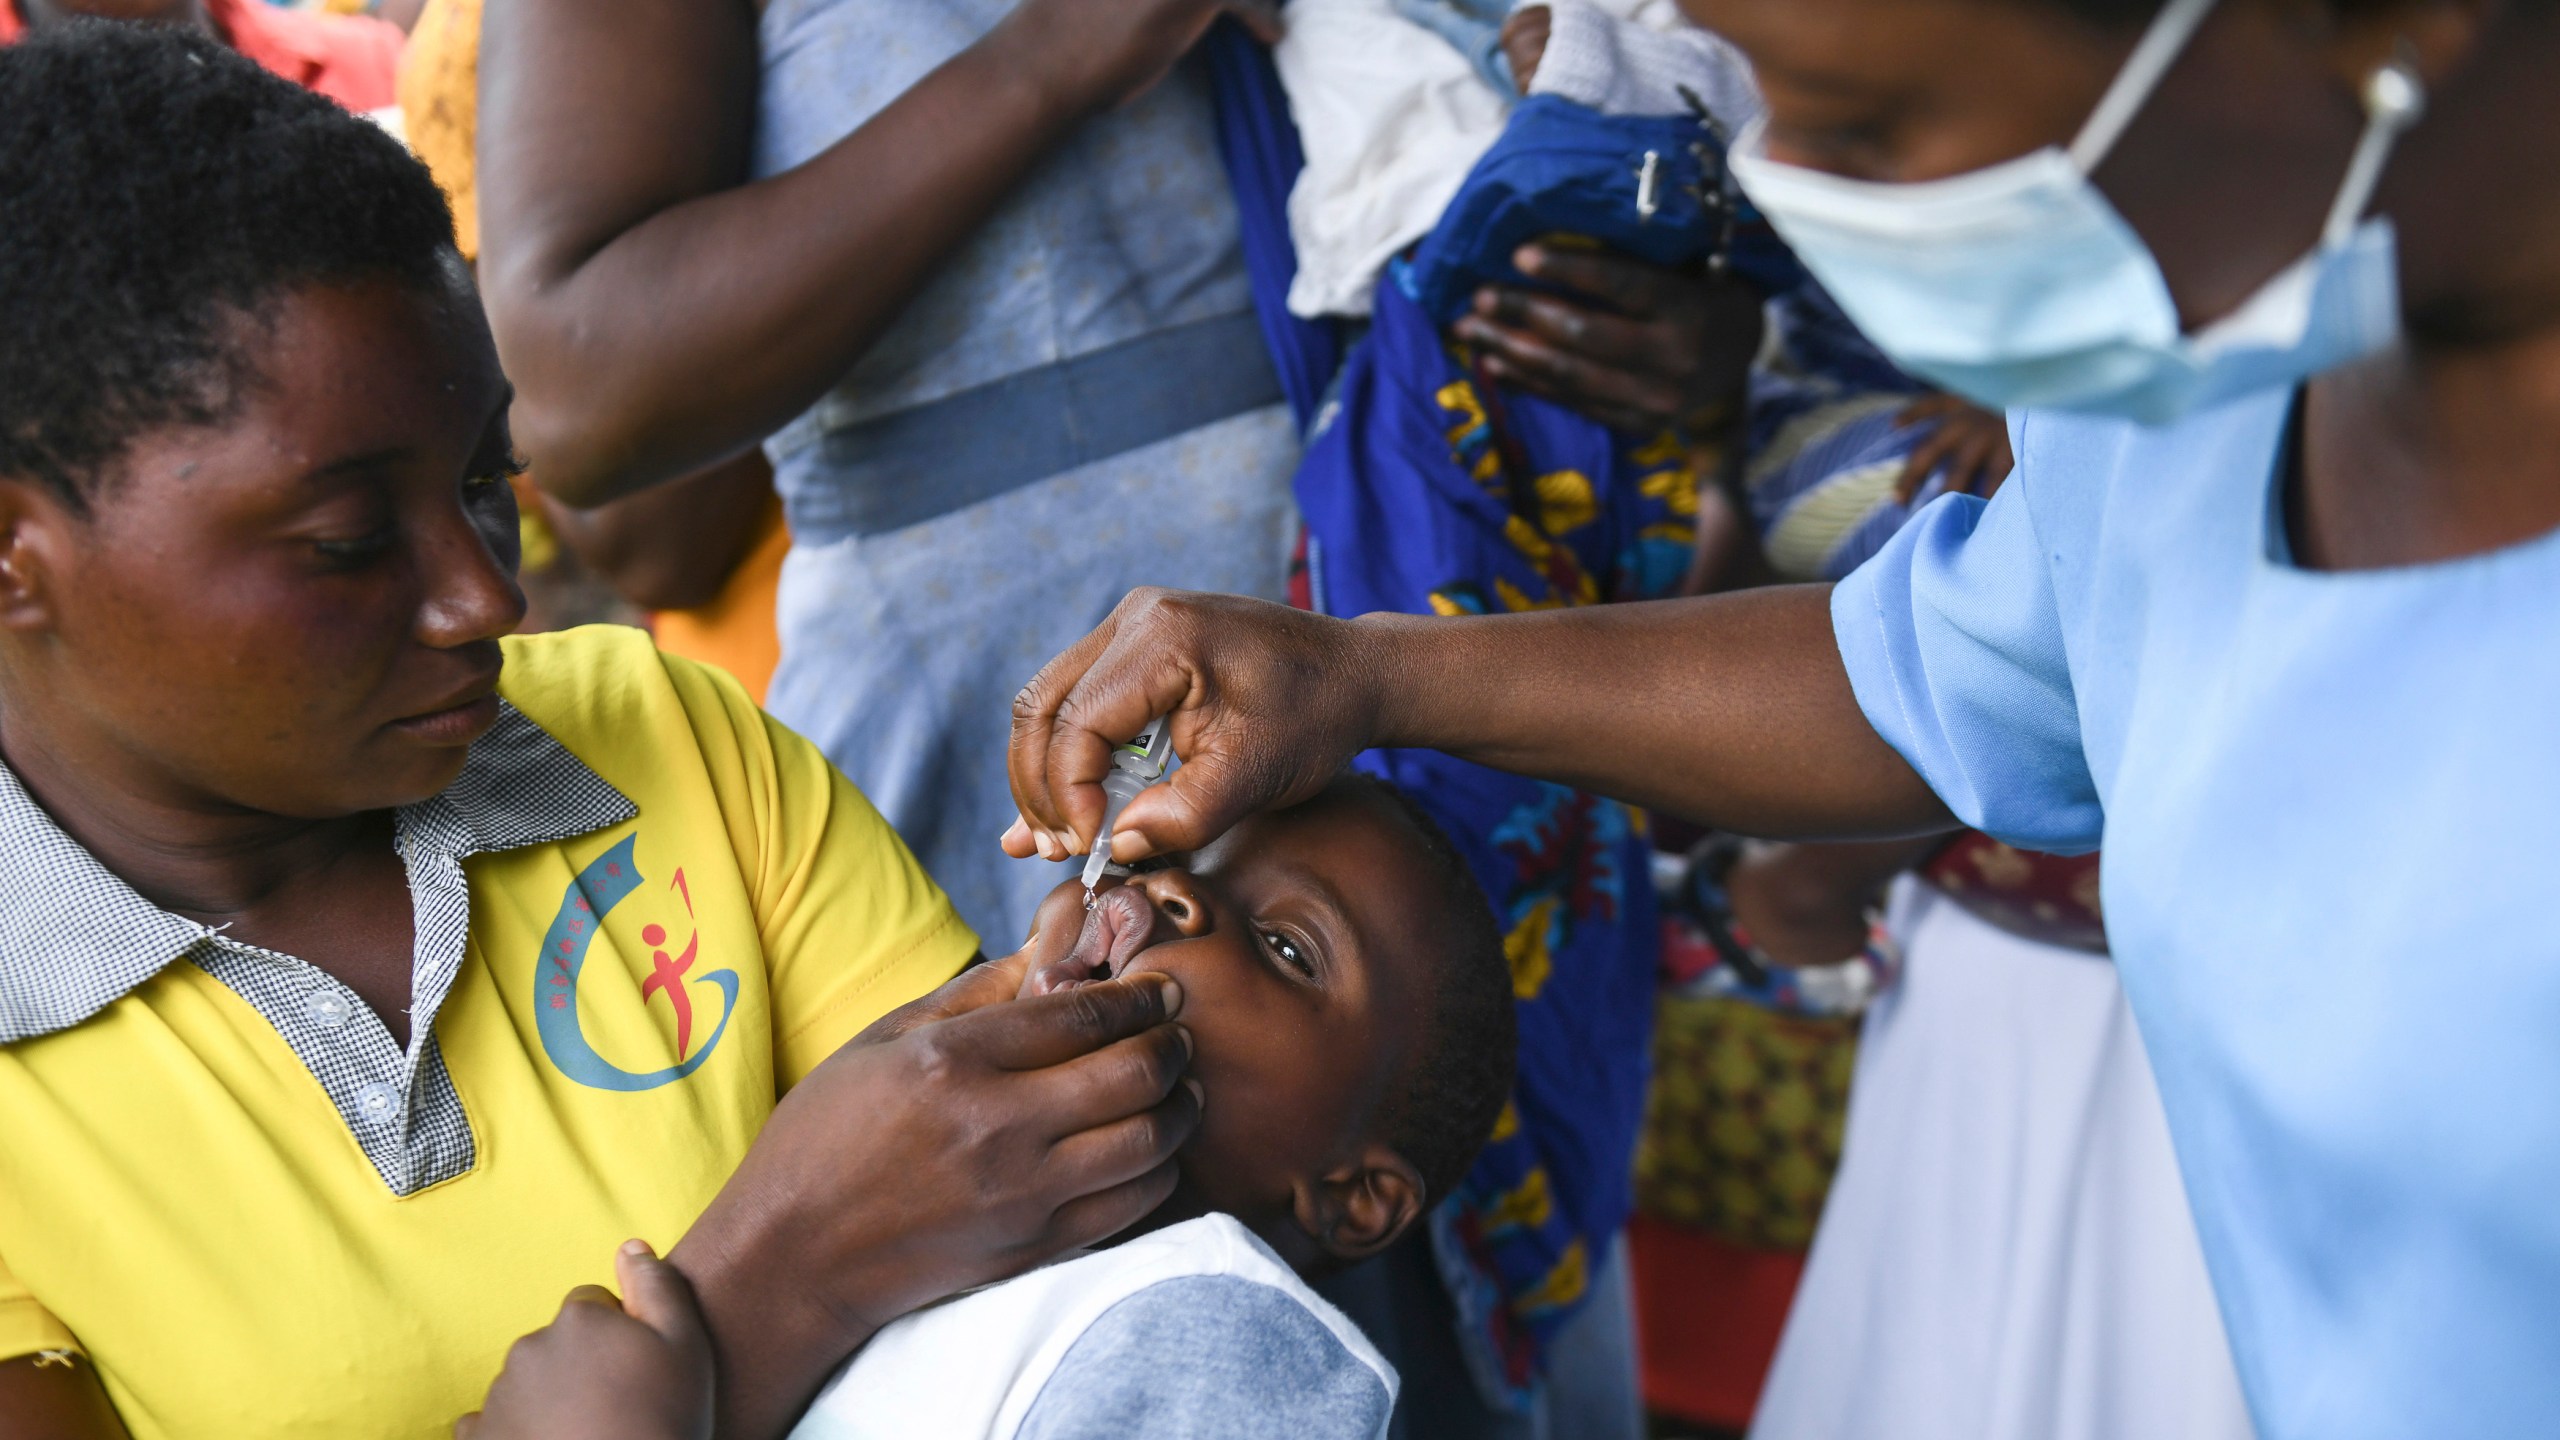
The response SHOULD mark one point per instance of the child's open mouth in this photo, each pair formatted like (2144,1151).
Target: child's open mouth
(1119,926)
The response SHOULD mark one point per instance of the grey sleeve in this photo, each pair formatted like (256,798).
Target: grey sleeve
(1209,1357)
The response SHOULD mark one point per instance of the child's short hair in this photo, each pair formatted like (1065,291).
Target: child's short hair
(1456,1087)
(157,189)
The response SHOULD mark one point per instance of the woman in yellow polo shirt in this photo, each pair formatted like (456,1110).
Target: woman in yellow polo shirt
(366,979)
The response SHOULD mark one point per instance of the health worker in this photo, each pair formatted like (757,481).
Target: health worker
(2271,608)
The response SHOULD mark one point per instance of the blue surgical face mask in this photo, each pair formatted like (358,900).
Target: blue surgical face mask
(2020,286)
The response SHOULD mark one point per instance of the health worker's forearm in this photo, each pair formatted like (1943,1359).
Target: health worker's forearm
(1734,710)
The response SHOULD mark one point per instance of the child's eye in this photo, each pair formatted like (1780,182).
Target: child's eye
(1290,953)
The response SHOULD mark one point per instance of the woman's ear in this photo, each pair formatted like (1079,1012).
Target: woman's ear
(1362,1207)
(31,524)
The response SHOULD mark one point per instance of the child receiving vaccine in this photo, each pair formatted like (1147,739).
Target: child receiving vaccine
(1351,1009)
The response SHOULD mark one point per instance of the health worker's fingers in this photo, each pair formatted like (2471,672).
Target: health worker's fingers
(658,1296)
(1035,722)
(1205,798)
(1267,703)
(1048,1031)
(467,1427)
(1094,696)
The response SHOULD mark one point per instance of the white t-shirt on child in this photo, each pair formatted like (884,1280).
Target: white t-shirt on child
(1197,1330)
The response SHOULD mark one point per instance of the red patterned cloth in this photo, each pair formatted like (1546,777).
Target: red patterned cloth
(352,59)
(2049,898)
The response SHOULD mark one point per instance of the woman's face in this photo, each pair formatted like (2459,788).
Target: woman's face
(2226,173)
(294,611)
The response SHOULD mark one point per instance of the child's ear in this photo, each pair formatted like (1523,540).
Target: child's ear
(1362,1207)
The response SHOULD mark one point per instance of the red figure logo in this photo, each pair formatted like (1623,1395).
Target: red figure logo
(667,975)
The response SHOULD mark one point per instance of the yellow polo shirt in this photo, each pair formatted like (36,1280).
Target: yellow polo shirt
(643,912)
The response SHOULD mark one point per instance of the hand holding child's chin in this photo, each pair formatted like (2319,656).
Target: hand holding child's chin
(636,1367)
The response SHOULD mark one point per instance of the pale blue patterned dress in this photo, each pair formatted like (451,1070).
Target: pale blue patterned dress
(903,643)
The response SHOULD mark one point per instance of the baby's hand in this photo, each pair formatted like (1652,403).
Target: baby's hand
(1524,43)
(1970,443)
(638,1368)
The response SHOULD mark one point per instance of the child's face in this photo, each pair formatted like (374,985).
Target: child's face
(295,610)
(1301,940)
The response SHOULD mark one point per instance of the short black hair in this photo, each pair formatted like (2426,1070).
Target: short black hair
(1455,1088)
(156,190)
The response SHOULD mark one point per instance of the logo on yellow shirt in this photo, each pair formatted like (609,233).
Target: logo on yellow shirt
(600,887)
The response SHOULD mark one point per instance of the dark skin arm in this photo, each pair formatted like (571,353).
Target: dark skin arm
(1730,709)
(658,312)
(54,1398)
(1807,904)
(673,547)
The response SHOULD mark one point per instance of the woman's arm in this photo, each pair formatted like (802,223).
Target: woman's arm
(54,1397)
(657,311)
(1731,709)
(673,547)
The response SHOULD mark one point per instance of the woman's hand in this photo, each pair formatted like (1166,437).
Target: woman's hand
(1637,347)
(959,1140)
(633,1368)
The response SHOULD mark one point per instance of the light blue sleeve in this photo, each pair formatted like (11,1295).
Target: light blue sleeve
(1209,1357)
(1954,645)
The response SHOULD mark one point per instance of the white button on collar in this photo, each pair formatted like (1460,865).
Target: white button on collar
(377,1103)
(327,1009)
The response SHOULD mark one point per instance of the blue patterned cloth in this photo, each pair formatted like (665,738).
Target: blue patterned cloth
(1427,494)
(1824,451)
(901,652)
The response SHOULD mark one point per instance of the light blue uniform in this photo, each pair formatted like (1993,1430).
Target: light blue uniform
(2331,812)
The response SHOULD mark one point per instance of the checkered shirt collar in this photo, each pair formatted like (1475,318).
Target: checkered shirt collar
(74,938)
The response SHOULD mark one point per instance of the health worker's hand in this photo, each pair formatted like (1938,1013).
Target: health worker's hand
(960,1140)
(1636,347)
(637,1367)
(1268,704)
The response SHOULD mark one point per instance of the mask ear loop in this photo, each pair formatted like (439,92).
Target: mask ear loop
(2394,100)
(2159,48)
